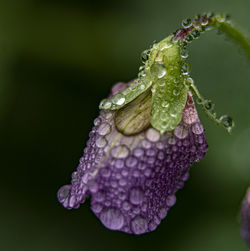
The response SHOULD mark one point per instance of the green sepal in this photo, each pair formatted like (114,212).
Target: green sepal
(169,92)
(124,97)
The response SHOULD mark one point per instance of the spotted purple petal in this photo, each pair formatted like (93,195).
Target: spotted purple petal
(245,218)
(132,180)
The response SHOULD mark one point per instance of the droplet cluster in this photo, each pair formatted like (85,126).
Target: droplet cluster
(191,30)
(132,180)
(126,95)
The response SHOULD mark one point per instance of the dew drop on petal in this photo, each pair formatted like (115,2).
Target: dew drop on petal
(139,225)
(131,161)
(136,196)
(63,192)
(138,152)
(171,200)
(163,213)
(97,121)
(126,205)
(112,219)
(181,131)
(104,129)
(122,182)
(93,188)
(97,208)
(119,163)
(197,128)
(120,152)
(101,142)
(152,135)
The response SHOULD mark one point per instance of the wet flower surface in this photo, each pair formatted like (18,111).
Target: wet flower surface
(133,179)
(245,218)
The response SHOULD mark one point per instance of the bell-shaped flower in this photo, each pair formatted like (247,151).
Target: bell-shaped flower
(132,179)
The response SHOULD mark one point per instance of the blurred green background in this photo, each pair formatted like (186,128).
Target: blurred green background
(58,60)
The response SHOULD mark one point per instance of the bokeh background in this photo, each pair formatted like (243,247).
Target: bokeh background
(58,59)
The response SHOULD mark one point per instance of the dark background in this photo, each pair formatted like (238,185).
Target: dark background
(58,59)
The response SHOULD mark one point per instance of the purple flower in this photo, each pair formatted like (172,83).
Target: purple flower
(245,218)
(133,179)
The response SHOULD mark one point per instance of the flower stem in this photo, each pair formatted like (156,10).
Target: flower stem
(234,34)
(191,29)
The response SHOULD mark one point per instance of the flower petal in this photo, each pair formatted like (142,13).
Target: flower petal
(132,180)
(245,218)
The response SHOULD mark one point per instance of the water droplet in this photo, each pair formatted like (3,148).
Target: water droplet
(101,142)
(199,101)
(152,135)
(165,104)
(161,83)
(104,129)
(145,56)
(189,81)
(105,172)
(173,115)
(146,144)
(97,121)
(171,200)
(97,208)
(74,176)
(204,21)
(126,205)
(131,161)
(142,86)
(147,172)
(120,152)
(176,92)
(100,196)
(185,68)
(181,131)
(63,193)
(227,122)
(187,23)
(209,105)
(93,187)
(139,225)
(119,163)
(197,128)
(184,52)
(163,213)
(166,46)
(197,25)
(221,18)
(122,182)
(195,34)
(138,152)
(164,116)
(112,219)
(136,196)
(189,39)
(158,69)
(118,99)
(105,104)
